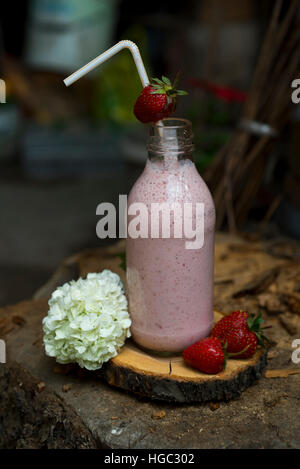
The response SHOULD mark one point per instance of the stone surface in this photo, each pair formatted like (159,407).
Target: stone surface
(90,414)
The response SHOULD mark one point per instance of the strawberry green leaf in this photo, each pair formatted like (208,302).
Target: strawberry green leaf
(157,80)
(166,80)
(158,87)
(176,81)
(254,322)
(262,339)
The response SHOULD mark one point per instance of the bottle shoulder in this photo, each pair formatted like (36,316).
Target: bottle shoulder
(179,184)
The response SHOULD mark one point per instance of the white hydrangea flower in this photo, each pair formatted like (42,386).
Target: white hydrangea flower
(88,320)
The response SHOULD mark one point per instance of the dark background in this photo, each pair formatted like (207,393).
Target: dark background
(65,150)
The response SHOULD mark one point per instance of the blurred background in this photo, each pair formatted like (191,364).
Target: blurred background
(65,150)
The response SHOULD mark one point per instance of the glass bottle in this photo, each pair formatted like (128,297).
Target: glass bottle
(170,275)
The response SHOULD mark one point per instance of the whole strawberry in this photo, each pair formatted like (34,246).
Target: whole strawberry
(207,355)
(241,332)
(157,100)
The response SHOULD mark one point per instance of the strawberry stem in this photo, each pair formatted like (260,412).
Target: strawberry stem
(238,353)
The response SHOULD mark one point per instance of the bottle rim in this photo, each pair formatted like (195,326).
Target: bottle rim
(173,123)
(173,135)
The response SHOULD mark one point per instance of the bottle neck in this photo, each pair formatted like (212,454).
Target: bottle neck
(172,139)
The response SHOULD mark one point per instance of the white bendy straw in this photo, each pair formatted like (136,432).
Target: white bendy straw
(107,55)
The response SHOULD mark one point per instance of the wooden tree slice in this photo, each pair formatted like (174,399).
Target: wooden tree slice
(170,379)
(149,375)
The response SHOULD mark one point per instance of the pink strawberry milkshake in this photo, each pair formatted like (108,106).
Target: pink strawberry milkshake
(170,287)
